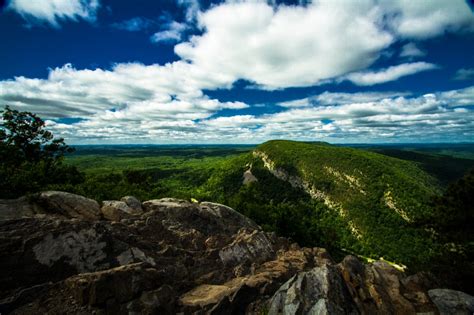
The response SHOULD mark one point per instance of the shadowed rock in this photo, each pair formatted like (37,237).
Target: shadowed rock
(69,205)
(174,256)
(452,302)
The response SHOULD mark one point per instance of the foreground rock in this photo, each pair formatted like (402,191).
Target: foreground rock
(452,302)
(117,210)
(69,205)
(170,256)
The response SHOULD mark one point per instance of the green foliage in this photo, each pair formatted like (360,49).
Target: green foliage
(384,199)
(454,211)
(445,165)
(452,217)
(31,156)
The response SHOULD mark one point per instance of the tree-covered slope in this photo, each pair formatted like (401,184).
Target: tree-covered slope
(349,176)
(338,198)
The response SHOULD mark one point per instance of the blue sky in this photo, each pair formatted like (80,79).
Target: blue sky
(195,71)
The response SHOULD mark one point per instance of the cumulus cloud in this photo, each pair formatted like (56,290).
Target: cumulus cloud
(464,74)
(425,19)
(321,41)
(128,91)
(389,74)
(54,11)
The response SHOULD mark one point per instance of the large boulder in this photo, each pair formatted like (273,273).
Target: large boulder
(318,291)
(247,246)
(117,210)
(69,205)
(18,208)
(379,288)
(452,302)
(118,285)
(133,203)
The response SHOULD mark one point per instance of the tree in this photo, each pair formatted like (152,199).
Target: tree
(31,158)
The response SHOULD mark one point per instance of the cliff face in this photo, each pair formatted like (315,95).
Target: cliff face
(64,253)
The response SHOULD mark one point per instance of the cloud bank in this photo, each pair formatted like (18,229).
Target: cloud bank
(271,46)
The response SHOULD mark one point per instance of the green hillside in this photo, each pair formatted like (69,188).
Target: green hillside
(341,198)
(351,178)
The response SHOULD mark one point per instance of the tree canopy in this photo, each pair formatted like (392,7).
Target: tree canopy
(31,157)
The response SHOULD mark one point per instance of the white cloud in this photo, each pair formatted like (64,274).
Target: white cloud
(54,11)
(172,32)
(127,92)
(389,74)
(464,74)
(462,97)
(317,42)
(273,46)
(438,116)
(431,117)
(411,50)
(425,19)
(331,98)
(192,9)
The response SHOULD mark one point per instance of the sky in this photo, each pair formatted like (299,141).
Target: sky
(201,71)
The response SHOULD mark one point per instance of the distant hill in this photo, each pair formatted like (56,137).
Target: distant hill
(445,165)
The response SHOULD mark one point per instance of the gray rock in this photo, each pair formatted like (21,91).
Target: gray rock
(451,302)
(18,208)
(252,246)
(81,249)
(117,210)
(226,213)
(318,291)
(133,203)
(209,218)
(69,205)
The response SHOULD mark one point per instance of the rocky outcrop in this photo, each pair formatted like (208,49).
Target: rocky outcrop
(171,256)
(248,177)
